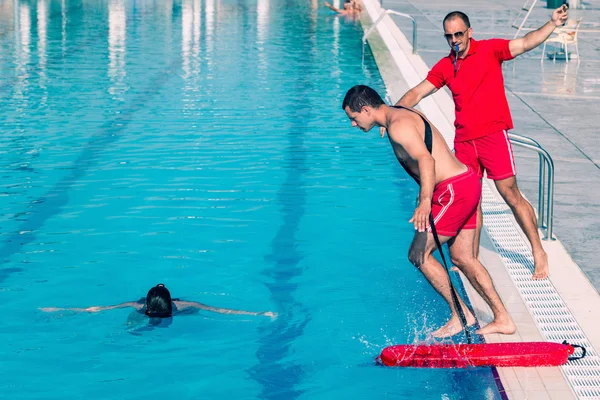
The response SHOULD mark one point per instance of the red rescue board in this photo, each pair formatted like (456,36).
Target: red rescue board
(518,354)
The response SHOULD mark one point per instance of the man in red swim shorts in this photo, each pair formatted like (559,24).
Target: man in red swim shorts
(473,73)
(449,190)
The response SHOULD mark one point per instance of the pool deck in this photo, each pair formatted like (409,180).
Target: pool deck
(555,104)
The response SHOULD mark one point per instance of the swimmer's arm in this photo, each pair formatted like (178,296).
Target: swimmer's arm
(405,133)
(192,304)
(337,10)
(133,304)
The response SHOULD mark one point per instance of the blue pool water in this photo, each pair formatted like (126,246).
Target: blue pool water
(201,143)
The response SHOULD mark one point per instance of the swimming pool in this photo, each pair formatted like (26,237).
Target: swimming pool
(202,144)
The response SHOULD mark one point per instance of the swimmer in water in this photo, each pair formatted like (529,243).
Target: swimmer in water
(352,8)
(158,304)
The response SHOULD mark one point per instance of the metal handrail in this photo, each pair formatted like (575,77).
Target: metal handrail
(383,14)
(546,176)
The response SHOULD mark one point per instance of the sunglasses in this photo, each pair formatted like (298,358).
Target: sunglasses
(458,35)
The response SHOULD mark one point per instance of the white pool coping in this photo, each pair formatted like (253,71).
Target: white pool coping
(401,70)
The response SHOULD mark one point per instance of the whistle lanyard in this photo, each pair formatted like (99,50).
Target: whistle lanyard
(456,61)
(456,69)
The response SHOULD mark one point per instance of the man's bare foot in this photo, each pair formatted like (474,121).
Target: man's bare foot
(541,266)
(454,326)
(505,327)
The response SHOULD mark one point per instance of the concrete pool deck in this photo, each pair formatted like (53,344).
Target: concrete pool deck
(566,306)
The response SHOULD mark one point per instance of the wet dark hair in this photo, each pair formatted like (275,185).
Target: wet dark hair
(158,302)
(360,96)
(457,14)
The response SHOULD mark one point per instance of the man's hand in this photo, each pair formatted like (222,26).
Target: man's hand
(535,38)
(269,314)
(421,216)
(560,15)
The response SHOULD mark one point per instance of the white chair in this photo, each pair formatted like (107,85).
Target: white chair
(565,36)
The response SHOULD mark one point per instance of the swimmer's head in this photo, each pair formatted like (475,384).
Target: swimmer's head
(158,302)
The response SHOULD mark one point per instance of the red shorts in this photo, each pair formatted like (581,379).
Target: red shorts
(454,204)
(492,154)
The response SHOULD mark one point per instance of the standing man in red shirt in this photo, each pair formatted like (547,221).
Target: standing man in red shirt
(473,73)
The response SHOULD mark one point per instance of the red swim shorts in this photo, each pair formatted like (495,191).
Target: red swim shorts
(454,204)
(492,154)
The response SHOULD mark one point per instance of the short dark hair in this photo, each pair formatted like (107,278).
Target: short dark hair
(457,14)
(158,302)
(360,96)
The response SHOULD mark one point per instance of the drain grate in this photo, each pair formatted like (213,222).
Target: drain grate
(549,311)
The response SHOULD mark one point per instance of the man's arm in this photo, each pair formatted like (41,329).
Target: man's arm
(413,97)
(416,94)
(193,304)
(337,10)
(406,134)
(537,37)
(133,304)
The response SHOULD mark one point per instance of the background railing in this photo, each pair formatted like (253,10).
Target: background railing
(383,14)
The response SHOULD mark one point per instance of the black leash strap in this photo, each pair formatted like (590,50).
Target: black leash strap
(459,310)
(583,351)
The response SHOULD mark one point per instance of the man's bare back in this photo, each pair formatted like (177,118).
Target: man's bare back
(403,122)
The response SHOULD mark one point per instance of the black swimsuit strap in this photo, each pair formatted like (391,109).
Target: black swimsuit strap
(428,141)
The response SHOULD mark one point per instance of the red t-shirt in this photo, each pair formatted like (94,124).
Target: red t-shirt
(477,88)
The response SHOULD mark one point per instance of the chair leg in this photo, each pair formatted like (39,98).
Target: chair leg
(566,53)
(577,48)
(543,52)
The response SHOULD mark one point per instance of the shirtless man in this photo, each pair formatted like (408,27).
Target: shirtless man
(449,189)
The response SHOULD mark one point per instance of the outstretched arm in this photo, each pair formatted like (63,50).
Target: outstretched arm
(133,304)
(193,304)
(537,37)
(406,134)
(416,94)
(337,10)
(413,97)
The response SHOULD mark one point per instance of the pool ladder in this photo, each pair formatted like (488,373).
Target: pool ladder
(545,184)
